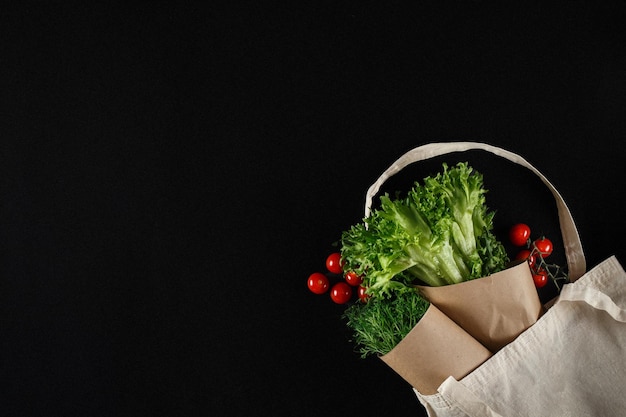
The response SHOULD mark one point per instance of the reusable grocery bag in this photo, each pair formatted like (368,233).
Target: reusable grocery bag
(481,316)
(570,362)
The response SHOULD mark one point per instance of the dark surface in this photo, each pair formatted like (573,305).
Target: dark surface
(171,175)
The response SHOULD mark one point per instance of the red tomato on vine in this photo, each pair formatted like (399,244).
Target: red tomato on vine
(341,293)
(318,283)
(334,263)
(519,234)
(544,246)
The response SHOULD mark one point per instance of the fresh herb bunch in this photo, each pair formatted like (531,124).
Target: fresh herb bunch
(381,323)
(439,234)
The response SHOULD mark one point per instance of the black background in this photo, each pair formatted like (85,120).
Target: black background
(171,174)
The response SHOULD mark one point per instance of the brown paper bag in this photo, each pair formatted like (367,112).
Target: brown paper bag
(433,350)
(494,309)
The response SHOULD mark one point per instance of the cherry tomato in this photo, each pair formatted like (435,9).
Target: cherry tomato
(341,292)
(353,278)
(318,283)
(363,296)
(527,255)
(519,234)
(540,278)
(544,246)
(334,263)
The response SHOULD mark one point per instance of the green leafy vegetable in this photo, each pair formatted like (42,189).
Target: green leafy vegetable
(439,234)
(381,323)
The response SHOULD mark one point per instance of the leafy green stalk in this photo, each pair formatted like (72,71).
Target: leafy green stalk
(439,234)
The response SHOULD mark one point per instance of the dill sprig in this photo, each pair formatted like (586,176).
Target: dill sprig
(381,323)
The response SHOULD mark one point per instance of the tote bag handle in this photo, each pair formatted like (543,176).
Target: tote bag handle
(573,248)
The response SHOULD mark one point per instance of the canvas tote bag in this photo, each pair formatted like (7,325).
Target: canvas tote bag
(572,361)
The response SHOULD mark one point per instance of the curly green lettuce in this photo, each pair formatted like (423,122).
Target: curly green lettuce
(439,234)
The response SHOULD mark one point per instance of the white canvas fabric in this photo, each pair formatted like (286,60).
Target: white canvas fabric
(572,362)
